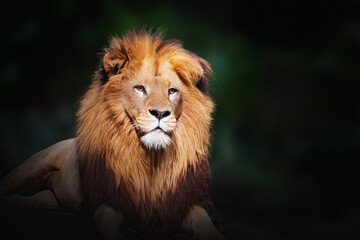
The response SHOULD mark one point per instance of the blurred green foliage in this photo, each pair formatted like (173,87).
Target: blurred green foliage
(286,127)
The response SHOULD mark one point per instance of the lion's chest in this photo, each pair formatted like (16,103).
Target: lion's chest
(160,206)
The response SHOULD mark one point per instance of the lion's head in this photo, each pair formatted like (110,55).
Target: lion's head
(144,124)
(150,93)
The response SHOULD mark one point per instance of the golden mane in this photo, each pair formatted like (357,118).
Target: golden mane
(149,186)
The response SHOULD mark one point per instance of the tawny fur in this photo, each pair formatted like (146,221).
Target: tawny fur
(107,169)
(106,132)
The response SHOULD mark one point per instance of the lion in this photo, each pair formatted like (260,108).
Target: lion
(140,155)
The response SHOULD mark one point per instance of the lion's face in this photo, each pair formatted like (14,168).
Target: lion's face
(149,87)
(153,103)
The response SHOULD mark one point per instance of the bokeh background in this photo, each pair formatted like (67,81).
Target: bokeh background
(285,148)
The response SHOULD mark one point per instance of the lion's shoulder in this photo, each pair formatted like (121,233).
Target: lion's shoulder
(64,178)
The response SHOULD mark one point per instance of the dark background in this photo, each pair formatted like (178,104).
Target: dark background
(285,146)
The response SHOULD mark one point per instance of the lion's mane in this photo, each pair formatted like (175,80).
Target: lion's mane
(154,189)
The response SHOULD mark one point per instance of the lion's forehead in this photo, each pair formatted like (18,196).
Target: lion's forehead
(166,69)
(157,71)
(147,68)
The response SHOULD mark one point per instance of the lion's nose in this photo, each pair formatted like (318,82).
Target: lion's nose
(159,114)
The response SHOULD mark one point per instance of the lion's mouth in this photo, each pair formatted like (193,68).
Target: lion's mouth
(158,128)
(142,133)
(157,138)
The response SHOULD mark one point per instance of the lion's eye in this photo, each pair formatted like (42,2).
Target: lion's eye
(140,88)
(172,91)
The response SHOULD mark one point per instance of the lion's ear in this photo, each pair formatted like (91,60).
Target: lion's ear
(203,82)
(113,63)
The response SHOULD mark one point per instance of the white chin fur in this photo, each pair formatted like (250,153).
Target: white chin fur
(155,140)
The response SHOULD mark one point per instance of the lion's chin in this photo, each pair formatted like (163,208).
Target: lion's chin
(156,139)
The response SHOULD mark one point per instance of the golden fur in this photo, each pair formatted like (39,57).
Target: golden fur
(103,109)
(113,168)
